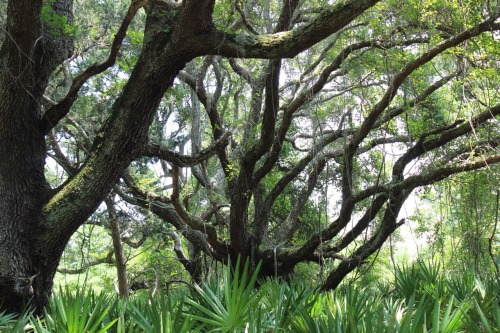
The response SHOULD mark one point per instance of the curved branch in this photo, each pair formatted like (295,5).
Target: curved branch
(59,156)
(360,226)
(244,19)
(56,112)
(190,265)
(309,93)
(286,44)
(108,259)
(395,190)
(155,150)
(396,82)
(195,230)
(446,135)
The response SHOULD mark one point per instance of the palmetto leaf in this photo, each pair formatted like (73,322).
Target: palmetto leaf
(238,300)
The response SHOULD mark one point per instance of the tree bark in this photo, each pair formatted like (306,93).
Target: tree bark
(121,266)
(27,58)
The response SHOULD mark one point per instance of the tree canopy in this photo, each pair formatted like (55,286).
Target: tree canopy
(279,131)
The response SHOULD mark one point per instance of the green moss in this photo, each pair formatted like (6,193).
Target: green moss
(271,40)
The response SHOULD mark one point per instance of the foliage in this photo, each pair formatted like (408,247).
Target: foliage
(437,302)
(11,323)
(459,222)
(227,305)
(288,133)
(81,311)
(58,23)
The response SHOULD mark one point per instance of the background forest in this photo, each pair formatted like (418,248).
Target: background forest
(332,86)
(369,159)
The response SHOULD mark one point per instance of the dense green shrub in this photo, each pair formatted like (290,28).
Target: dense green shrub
(422,299)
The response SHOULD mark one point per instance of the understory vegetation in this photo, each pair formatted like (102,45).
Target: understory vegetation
(419,298)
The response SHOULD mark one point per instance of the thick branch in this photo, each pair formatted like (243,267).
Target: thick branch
(286,44)
(189,265)
(360,226)
(445,135)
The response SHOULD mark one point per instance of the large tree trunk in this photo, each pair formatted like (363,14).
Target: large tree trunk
(22,189)
(35,221)
(27,58)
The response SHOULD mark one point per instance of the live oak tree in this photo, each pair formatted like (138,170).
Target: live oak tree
(419,77)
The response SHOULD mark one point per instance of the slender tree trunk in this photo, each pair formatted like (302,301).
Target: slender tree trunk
(492,237)
(121,266)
